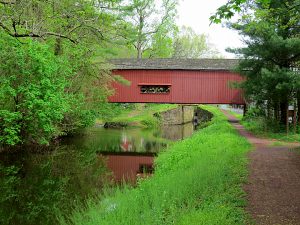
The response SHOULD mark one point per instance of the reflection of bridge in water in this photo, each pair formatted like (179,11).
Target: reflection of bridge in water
(128,166)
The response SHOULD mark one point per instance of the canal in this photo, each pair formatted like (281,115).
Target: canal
(39,185)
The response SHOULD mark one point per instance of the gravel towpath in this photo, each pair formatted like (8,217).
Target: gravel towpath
(273,188)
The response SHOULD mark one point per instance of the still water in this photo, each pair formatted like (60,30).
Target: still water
(38,186)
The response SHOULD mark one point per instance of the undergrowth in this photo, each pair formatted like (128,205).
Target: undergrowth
(268,129)
(196,181)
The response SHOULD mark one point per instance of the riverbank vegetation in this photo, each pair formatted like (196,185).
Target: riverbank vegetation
(141,115)
(263,128)
(196,181)
(257,124)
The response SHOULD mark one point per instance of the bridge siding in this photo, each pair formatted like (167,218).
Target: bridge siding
(210,87)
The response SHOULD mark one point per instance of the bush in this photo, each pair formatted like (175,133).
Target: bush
(32,92)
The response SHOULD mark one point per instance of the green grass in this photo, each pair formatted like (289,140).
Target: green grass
(278,143)
(258,127)
(237,115)
(196,181)
(143,115)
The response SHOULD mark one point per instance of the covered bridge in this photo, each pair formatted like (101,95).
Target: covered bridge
(183,81)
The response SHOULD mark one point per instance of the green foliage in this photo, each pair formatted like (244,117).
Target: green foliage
(228,10)
(256,122)
(189,44)
(143,115)
(196,181)
(271,59)
(10,128)
(150,26)
(75,21)
(121,80)
(32,95)
(107,111)
(237,115)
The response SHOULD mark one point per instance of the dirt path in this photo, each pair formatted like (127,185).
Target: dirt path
(273,190)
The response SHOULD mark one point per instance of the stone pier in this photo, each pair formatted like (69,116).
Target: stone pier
(181,115)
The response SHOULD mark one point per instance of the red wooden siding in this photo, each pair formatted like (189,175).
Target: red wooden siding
(187,87)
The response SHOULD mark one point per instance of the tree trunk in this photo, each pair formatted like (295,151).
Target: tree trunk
(287,119)
(245,110)
(58,47)
(139,52)
(295,118)
(283,112)
(269,110)
(298,107)
(276,111)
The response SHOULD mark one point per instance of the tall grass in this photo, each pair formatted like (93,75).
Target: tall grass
(197,181)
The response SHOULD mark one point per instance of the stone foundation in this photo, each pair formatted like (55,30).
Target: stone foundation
(180,115)
(184,114)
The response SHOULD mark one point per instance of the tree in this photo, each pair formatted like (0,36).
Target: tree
(67,19)
(32,92)
(189,44)
(227,11)
(150,21)
(272,55)
(73,31)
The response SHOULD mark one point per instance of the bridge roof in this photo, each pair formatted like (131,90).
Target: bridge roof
(174,64)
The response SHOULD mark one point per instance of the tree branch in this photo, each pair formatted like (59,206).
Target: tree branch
(32,34)
(8,2)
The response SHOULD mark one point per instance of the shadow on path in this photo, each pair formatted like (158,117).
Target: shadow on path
(273,188)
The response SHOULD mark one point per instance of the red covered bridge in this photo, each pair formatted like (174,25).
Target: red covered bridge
(183,81)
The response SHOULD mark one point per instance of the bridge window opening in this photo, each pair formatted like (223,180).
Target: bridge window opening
(155,89)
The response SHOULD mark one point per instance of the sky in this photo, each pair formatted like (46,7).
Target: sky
(196,13)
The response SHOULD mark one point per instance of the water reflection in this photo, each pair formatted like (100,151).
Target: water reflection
(36,187)
(136,154)
(129,166)
(178,132)
(120,140)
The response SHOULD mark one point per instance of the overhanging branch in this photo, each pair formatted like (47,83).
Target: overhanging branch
(8,2)
(32,34)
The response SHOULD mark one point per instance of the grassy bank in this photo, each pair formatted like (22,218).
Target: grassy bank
(261,128)
(142,115)
(197,181)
